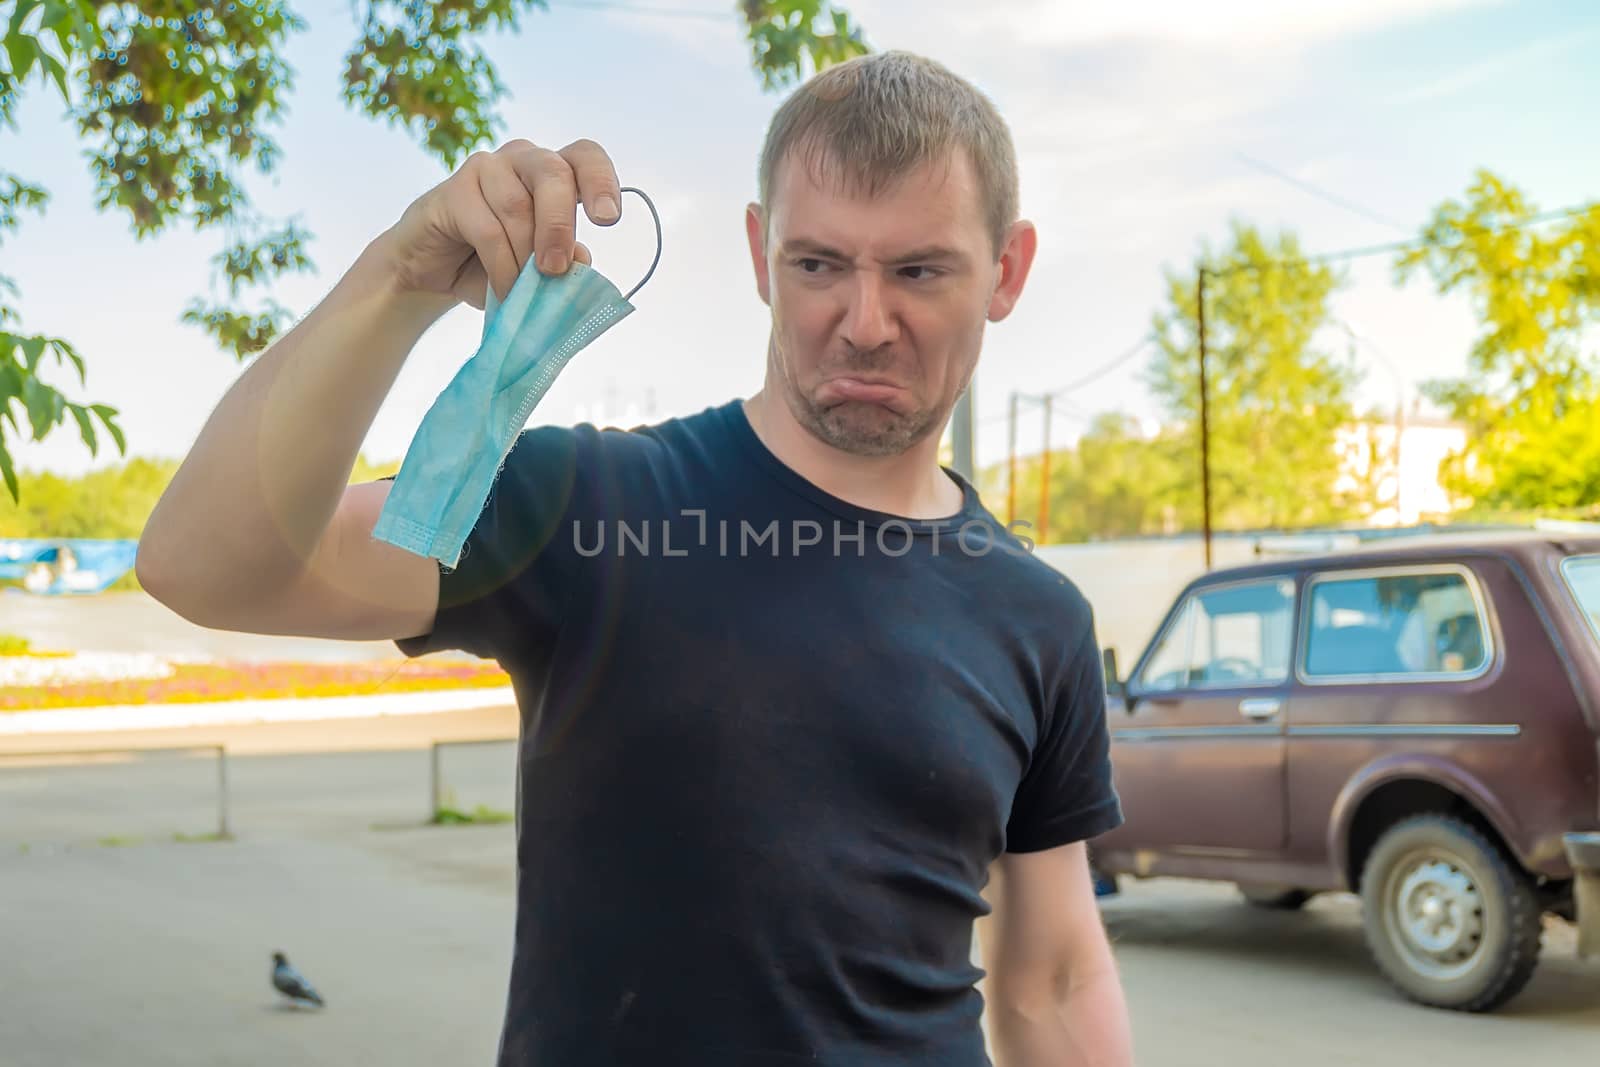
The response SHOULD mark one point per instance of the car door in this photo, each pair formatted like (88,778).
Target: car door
(1200,754)
(1396,661)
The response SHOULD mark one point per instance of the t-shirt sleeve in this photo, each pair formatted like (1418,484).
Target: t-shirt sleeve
(505,594)
(1067,794)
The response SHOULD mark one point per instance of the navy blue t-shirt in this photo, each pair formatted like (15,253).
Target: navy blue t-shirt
(771,743)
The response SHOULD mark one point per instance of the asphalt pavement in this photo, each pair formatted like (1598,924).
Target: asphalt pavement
(122,944)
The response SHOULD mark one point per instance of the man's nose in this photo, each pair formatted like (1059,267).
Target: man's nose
(869,320)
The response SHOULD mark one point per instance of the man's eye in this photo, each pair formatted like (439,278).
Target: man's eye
(928,273)
(805,265)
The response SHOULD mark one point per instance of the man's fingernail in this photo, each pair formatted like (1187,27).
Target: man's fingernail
(555,262)
(605,209)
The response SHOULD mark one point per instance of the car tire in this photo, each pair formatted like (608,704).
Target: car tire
(1450,919)
(1275,897)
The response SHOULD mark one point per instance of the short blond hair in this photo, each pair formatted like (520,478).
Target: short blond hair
(872,120)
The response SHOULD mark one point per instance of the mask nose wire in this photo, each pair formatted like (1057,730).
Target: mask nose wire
(657,216)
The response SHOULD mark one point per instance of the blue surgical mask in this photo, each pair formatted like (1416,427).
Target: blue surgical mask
(456,454)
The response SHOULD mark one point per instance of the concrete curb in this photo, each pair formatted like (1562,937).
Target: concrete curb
(237,712)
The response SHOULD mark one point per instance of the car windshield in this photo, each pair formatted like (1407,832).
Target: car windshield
(1583,577)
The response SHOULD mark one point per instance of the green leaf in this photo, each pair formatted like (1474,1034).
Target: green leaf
(55,12)
(9,472)
(85,427)
(57,72)
(20,15)
(108,416)
(64,349)
(44,406)
(10,381)
(32,350)
(23,50)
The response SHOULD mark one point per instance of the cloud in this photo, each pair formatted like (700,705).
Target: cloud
(684,24)
(1250,24)
(1477,73)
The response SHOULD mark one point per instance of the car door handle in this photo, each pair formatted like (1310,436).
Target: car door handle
(1260,708)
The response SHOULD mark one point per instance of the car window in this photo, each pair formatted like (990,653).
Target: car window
(1395,625)
(1583,578)
(1232,635)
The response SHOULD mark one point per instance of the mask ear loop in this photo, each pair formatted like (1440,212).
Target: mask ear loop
(654,214)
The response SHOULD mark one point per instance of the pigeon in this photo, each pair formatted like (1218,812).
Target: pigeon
(291,983)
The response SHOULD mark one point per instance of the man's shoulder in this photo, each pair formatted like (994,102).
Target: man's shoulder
(701,431)
(1034,596)
(1043,587)
(1012,561)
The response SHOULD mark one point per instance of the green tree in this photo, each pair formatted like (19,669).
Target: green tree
(113,502)
(172,97)
(1277,401)
(1531,399)
(1114,482)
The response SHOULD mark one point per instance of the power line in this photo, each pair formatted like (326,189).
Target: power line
(1402,246)
(1092,376)
(1305,186)
(640,9)
(1101,371)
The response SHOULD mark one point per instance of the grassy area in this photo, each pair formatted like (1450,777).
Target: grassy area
(482,815)
(129,841)
(118,841)
(12,645)
(206,682)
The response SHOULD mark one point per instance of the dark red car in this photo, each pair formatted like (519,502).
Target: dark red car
(1418,723)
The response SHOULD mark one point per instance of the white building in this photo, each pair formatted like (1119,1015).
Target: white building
(1401,456)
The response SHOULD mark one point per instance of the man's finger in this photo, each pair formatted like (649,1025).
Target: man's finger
(555,204)
(479,227)
(512,204)
(598,186)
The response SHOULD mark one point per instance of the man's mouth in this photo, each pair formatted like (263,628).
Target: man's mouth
(861,390)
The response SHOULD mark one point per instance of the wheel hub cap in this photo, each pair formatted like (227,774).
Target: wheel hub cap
(1439,913)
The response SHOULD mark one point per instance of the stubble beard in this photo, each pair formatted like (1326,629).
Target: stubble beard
(857,427)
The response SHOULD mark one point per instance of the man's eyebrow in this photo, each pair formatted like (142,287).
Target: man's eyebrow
(798,245)
(929,253)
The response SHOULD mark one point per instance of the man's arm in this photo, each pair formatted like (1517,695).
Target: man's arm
(243,520)
(258,530)
(1053,995)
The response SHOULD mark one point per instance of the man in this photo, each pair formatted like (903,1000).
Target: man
(792,700)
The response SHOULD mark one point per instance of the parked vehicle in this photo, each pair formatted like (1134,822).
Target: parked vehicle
(1418,723)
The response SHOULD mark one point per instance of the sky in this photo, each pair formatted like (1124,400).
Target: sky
(1141,131)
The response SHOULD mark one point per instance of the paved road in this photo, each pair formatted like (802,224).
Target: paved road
(136,622)
(157,952)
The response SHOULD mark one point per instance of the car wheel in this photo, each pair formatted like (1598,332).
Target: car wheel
(1450,920)
(1275,897)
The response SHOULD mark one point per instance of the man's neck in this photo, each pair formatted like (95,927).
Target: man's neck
(911,485)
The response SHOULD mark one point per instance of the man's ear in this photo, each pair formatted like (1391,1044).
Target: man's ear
(755,228)
(1016,259)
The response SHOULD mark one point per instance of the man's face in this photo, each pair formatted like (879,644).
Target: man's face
(878,306)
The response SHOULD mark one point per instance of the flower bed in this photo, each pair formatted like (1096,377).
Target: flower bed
(202,682)
(65,668)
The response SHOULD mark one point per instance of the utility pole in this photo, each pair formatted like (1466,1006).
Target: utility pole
(1044,476)
(1011,461)
(1205,419)
(961,443)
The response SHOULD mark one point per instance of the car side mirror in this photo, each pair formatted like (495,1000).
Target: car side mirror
(1115,686)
